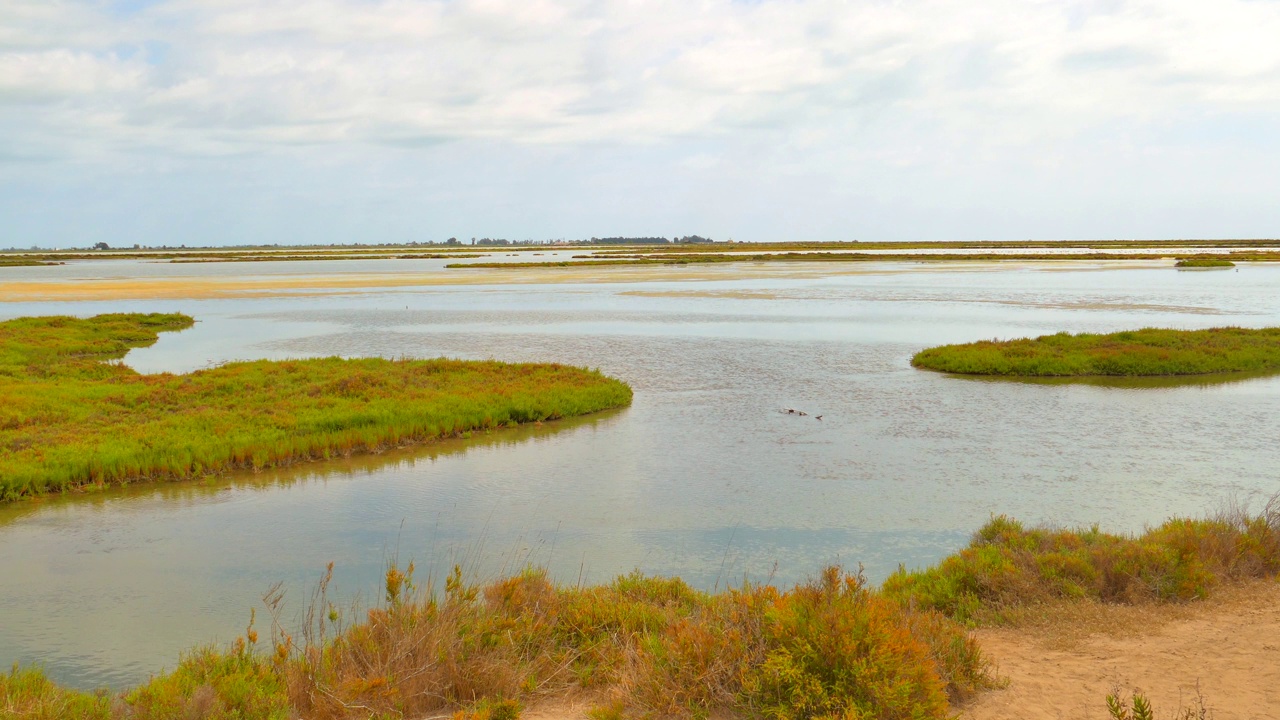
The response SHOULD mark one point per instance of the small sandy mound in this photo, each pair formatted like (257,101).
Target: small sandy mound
(1062,663)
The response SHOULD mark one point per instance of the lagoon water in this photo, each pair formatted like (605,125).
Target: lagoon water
(703,477)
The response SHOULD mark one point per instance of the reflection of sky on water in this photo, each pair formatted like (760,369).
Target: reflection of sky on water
(701,477)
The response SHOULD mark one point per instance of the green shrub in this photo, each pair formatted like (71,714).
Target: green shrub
(1147,352)
(1007,565)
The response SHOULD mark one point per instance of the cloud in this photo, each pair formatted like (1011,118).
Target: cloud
(258,72)
(808,88)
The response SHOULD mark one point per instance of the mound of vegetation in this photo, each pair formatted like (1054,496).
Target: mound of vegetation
(1008,566)
(827,648)
(1204,262)
(69,419)
(1147,352)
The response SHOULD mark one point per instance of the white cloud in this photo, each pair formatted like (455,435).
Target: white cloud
(255,71)
(797,87)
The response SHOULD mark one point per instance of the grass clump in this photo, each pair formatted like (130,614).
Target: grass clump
(831,646)
(1007,566)
(1204,262)
(1137,353)
(28,693)
(70,417)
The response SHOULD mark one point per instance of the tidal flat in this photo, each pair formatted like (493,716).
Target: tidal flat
(701,478)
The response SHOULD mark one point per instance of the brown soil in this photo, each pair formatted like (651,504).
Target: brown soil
(1061,663)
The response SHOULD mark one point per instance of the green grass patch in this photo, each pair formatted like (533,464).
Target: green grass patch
(71,416)
(1148,352)
(1009,566)
(23,262)
(1204,262)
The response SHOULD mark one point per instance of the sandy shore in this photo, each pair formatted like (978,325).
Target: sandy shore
(1063,665)
(181,284)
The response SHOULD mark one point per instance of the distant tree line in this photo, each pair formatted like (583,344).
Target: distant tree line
(628,241)
(453,241)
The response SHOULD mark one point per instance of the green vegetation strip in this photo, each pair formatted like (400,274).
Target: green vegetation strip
(654,647)
(1060,245)
(308,258)
(1139,353)
(1204,262)
(23,262)
(68,419)
(692,258)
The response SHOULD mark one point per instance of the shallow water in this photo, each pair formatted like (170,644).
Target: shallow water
(703,476)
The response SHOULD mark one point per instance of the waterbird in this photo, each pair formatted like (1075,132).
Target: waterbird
(817,417)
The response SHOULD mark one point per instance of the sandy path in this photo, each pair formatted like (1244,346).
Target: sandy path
(1229,644)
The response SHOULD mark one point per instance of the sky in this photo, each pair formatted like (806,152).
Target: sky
(222,122)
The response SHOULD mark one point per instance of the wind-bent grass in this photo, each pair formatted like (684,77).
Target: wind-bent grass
(1147,352)
(1204,262)
(69,419)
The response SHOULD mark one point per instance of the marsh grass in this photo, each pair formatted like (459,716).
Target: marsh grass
(70,417)
(1008,567)
(1204,262)
(1138,353)
(655,646)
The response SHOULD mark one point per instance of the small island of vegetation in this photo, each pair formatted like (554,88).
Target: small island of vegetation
(1149,352)
(1204,262)
(69,417)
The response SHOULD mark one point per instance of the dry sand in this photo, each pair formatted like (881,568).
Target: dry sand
(1064,664)
(181,285)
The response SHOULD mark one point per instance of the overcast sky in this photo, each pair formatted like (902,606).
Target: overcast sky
(260,121)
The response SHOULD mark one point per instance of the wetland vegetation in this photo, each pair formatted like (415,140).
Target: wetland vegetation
(632,251)
(1137,353)
(72,416)
(649,646)
(1204,262)
(691,258)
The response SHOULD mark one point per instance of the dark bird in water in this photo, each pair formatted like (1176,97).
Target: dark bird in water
(817,417)
(801,413)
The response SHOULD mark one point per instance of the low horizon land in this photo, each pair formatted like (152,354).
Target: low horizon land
(502,244)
